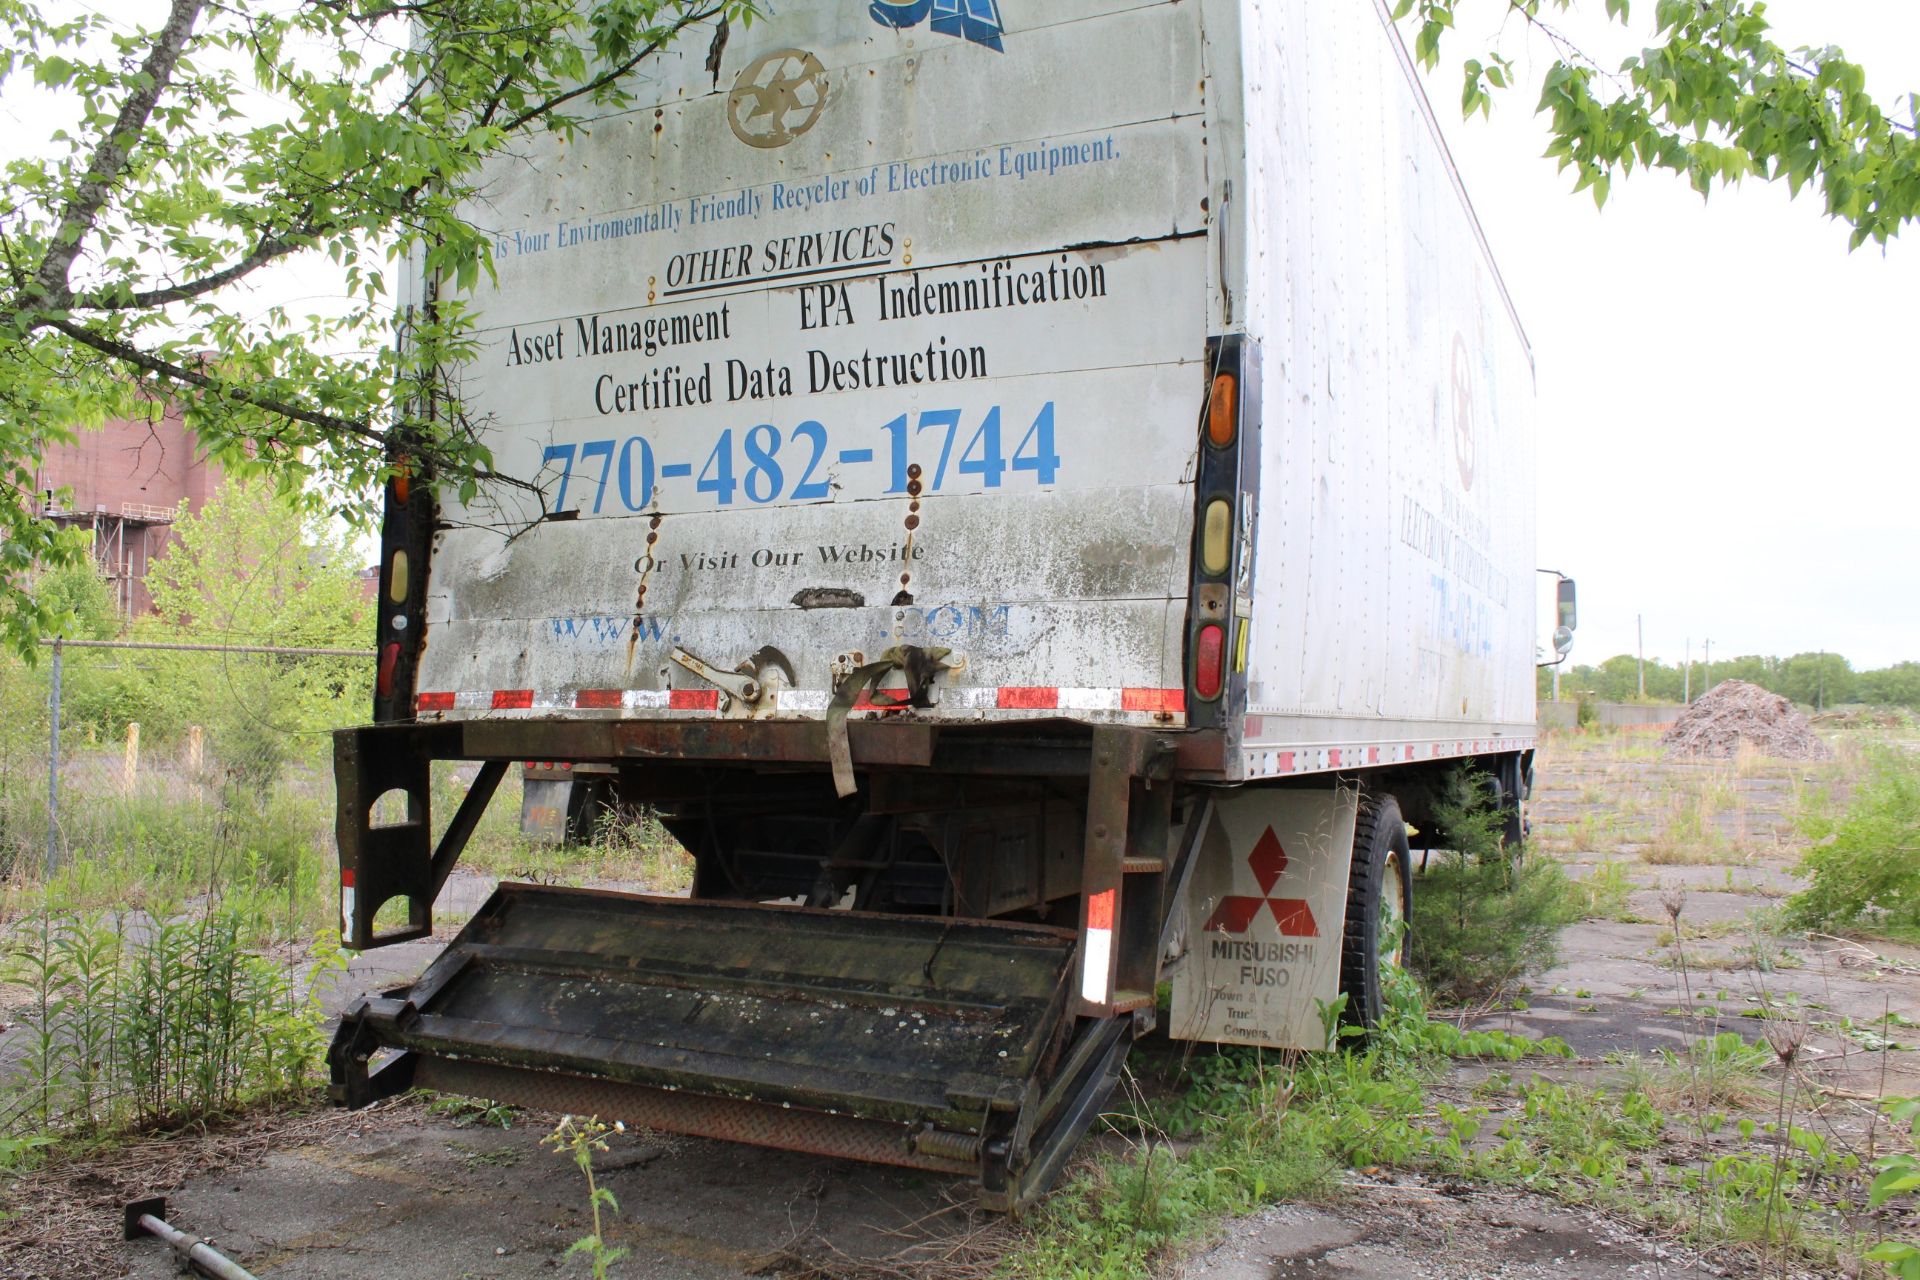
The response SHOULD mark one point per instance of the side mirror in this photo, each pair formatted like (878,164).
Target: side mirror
(1569,602)
(1563,640)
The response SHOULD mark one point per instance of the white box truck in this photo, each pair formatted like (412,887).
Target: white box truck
(1036,496)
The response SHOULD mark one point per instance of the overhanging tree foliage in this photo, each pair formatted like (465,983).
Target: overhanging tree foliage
(232,138)
(1715,99)
(224,140)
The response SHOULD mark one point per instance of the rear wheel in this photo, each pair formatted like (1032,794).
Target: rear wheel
(1379,905)
(1511,784)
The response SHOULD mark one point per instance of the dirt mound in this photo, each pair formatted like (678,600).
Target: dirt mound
(1734,712)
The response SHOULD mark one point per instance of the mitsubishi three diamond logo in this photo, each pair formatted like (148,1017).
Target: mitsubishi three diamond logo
(1236,913)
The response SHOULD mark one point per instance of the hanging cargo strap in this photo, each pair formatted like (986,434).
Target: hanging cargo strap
(920,666)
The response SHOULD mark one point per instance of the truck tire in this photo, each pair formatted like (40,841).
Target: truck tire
(1381,886)
(1510,792)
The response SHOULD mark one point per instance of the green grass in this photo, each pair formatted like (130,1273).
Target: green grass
(1686,835)
(1228,1130)
(268,857)
(629,848)
(163,975)
(1591,832)
(1603,893)
(1236,1129)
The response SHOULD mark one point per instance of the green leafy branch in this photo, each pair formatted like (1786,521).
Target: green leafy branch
(1715,99)
(230,139)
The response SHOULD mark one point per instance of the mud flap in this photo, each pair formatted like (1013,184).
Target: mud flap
(937,1044)
(1265,907)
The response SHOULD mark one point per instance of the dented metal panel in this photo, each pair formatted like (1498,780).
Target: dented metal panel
(874,326)
(886,328)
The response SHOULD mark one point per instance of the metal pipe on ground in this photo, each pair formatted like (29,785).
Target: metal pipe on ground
(148,1217)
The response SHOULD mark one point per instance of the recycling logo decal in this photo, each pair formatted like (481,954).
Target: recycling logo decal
(778,97)
(1236,913)
(1465,448)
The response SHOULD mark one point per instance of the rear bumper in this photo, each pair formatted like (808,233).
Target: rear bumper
(1042,745)
(382,861)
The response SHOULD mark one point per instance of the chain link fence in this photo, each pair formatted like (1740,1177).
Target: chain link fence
(165,871)
(169,892)
(102,740)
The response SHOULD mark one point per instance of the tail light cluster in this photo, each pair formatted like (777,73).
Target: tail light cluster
(404,531)
(1228,474)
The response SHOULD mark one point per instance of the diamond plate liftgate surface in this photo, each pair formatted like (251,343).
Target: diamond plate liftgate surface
(940,1044)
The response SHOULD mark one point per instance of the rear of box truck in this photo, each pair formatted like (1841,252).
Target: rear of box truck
(883,326)
(948,440)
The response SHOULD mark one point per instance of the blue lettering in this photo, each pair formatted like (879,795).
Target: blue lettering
(973,622)
(977,21)
(1458,617)
(946,622)
(901,13)
(608,631)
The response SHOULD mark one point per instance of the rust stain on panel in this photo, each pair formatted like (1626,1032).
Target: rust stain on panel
(914,490)
(644,566)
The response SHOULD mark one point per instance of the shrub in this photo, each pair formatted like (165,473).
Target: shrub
(1483,917)
(1864,867)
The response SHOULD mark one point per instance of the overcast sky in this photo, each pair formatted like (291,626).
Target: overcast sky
(1729,420)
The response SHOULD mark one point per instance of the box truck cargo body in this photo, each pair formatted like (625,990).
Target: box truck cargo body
(1037,497)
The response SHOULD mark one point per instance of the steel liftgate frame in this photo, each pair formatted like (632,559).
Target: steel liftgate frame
(973,1048)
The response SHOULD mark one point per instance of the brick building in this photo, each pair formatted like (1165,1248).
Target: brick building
(126,482)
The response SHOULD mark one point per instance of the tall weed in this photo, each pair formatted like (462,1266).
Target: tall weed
(266,855)
(138,1020)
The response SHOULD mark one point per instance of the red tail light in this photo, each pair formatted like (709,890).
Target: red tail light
(1209,661)
(389,659)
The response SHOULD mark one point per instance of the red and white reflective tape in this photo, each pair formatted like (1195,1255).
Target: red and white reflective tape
(346,905)
(1096,965)
(1269,762)
(1163,705)
(1062,698)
